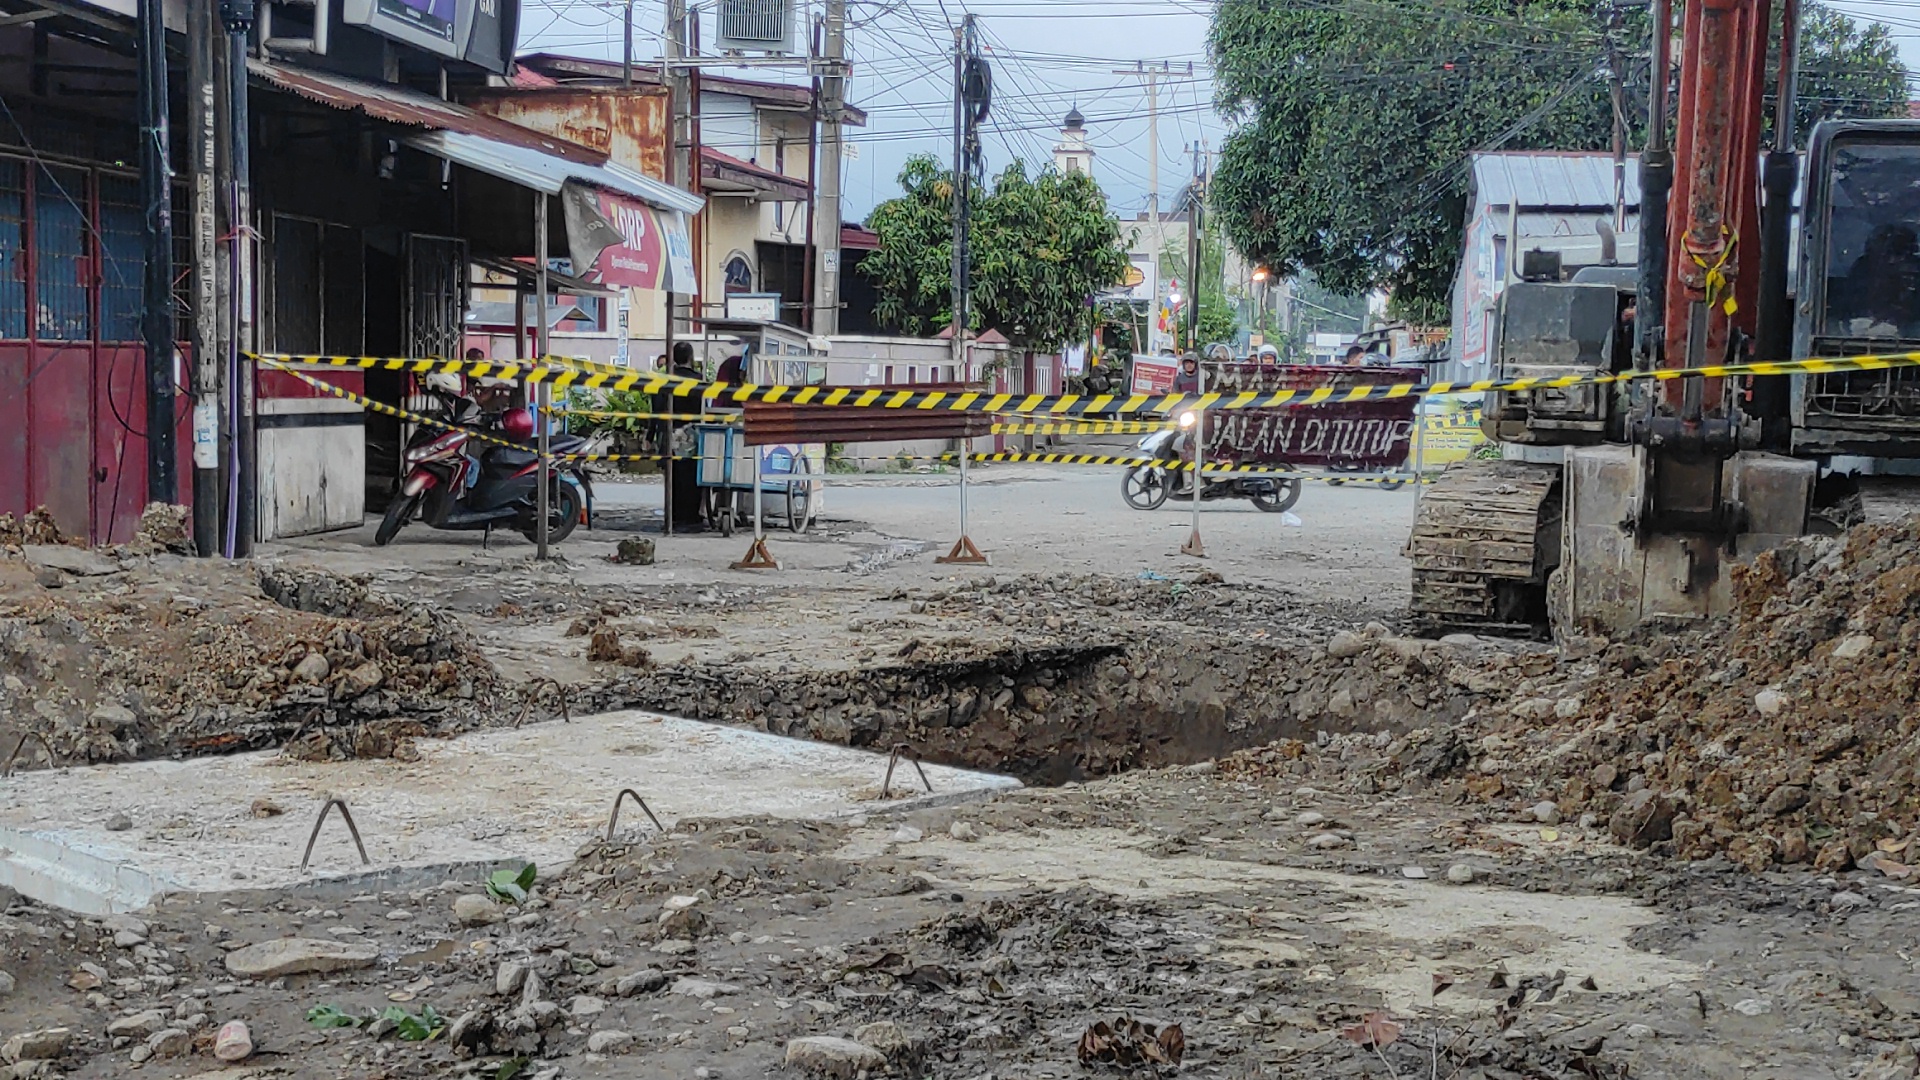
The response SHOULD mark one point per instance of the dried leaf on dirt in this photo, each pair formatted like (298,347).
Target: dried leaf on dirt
(1374,1029)
(1129,1042)
(1441,981)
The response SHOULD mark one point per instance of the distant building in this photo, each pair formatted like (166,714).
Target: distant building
(1533,200)
(1072,154)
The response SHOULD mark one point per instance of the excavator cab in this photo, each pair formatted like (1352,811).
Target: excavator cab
(1859,289)
(1660,489)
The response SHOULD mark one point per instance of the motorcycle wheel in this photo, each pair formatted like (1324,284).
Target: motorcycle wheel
(1144,488)
(1392,485)
(399,511)
(563,515)
(1275,496)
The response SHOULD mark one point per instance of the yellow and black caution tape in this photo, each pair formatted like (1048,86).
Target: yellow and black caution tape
(605,414)
(1007,456)
(435,422)
(562,373)
(1464,418)
(1025,425)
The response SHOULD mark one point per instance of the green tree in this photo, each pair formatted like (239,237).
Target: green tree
(1356,119)
(1041,246)
(1319,310)
(1219,321)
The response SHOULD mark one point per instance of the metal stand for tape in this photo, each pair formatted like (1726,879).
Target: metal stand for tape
(1193,547)
(758,557)
(964,552)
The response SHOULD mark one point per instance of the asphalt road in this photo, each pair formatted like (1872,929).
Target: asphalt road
(1338,543)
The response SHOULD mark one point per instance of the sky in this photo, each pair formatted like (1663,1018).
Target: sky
(1049,56)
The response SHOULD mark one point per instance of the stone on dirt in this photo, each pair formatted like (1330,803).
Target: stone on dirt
(80,562)
(472,909)
(170,1042)
(830,1056)
(1644,818)
(43,1045)
(640,982)
(702,988)
(1460,874)
(609,1042)
(299,956)
(470,1029)
(509,977)
(887,1037)
(139,1025)
(634,551)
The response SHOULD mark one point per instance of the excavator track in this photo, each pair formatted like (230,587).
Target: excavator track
(1485,539)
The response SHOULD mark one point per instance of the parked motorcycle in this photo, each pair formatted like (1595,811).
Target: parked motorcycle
(450,489)
(1147,487)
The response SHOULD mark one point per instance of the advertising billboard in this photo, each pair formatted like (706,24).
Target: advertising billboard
(481,32)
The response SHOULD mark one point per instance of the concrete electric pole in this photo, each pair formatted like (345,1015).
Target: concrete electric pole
(682,170)
(1150,76)
(826,231)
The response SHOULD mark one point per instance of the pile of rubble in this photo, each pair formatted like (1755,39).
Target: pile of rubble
(124,653)
(1788,735)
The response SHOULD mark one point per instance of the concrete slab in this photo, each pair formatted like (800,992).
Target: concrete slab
(538,793)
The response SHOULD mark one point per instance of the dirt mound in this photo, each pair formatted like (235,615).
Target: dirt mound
(135,658)
(1789,734)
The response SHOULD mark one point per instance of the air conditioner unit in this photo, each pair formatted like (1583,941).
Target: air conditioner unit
(755,26)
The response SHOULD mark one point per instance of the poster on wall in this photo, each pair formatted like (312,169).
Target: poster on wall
(1154,375)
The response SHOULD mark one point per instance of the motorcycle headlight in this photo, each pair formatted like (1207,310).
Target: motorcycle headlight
(1187,419)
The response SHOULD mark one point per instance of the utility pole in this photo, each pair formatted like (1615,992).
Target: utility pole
(1616,65)
(1196,210)
(681,168)
(236,17)
(205,228)
(972,96)
(1151,76)
(156,193)
(826,230)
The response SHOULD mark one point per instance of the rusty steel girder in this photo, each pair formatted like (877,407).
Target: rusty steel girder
(771,424)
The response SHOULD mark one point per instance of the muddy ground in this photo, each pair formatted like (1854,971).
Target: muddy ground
(1261,811)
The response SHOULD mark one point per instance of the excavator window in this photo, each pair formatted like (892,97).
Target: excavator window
(1873,242)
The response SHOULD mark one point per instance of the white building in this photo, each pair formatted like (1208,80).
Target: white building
(1072,154)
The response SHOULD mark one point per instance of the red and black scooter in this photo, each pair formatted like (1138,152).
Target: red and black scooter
(450,488)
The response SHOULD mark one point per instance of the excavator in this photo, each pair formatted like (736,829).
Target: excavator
(1662,484)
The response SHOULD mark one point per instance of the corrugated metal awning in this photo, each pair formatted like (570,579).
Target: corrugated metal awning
(487,144)
(1550,179)
(545,172)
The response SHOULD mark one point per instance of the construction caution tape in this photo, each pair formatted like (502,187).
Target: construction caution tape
(563,373)
(605,414)
(435,422)
(1005,457)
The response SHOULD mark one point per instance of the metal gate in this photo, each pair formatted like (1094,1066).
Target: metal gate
(436,295)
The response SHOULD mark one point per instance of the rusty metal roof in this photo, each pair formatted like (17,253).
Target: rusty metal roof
(484,143)
(718,171)
(410,108)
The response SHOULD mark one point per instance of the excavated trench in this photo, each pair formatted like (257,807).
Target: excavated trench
(1058,714)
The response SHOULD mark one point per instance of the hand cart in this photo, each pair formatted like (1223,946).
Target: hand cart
(787,479)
